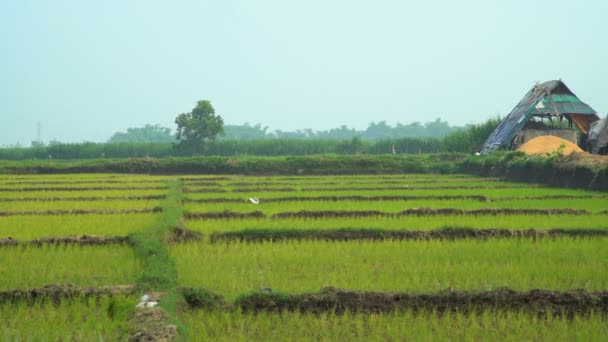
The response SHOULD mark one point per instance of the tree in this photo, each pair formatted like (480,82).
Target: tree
(195,130)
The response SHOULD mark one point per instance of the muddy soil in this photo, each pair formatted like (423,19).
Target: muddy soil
(84,240)
(540,302)
(491,211)
(82,211)
(152,324)
(58,293)
(346,183)
(427,212)
(224,215)
(202,190)
(92,188)
(340,198)
(414,187)
(264,190)
(375,234)
(181,235)
(548,197)
(107,181)
(83,199)
(212,184)
(206,179)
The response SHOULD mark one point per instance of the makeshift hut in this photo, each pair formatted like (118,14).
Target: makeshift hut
(549,108)
(597,142)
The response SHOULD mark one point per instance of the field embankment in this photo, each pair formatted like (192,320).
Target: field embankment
(579,170)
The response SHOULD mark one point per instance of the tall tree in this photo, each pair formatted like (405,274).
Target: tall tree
(195,130)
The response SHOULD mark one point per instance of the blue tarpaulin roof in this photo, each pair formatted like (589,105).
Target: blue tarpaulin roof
(536,102)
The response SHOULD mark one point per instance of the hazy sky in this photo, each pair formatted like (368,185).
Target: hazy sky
(86,69)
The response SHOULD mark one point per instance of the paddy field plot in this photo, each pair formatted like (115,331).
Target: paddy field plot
(54,206)
(413,266)
(23,267)
(30,227)
(91,319)
(235,326)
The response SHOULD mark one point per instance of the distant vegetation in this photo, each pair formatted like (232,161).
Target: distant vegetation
(246,131)
(375,131)
(130,144)
(146,134)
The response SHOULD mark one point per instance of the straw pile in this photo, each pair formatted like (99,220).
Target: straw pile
(547,144)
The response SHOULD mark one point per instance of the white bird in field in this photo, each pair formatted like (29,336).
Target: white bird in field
(254,200)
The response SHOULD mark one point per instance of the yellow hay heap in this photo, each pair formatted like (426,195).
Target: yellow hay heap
(547,144)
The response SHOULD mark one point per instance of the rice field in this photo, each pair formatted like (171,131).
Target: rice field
(34,207)
(86,266)
(416,266)
(221,326)
(79,320)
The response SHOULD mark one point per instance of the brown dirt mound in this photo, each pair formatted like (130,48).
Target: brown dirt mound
(213,184)
(83,198)
(541,302)
(84,182)
(548,144)
(91,240)
(82,211)
(346,183)
(427,212)
(202,190)
(152,324)
(181,234)
(492,211)
(586,159)
(224,215)
(340,198)
(376,234)
(329,213)
(264,190)
(9,241)
(547,197)
(57,293)
(92,188)
(407,187)
(206,179)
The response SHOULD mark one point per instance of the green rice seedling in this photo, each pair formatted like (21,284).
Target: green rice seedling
(488,192)
(105,319)
(237,326)
(408,223)
(85,266)
(76,183)
(270,208)
(68,205)
(81,193)
(84,176)
(35,227)
(521,264)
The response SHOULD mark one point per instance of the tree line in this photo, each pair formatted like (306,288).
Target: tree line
(466,140)
(375,131)
(198,131)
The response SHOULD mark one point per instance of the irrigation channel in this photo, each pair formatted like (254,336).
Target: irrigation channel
(348,248)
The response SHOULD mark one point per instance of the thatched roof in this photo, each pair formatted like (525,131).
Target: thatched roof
(552,98)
